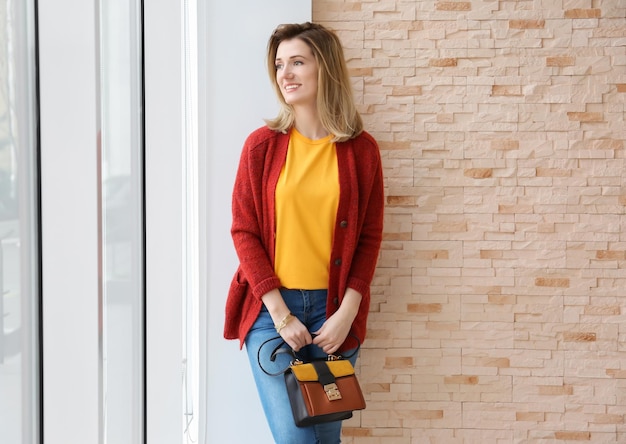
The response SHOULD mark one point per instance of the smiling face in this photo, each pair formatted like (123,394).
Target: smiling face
(296,72)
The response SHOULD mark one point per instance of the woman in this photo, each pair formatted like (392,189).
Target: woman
(307,221)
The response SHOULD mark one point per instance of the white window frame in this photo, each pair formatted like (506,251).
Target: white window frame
(70,221)
(71,270)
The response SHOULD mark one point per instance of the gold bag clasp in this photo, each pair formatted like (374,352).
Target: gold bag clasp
(332,391)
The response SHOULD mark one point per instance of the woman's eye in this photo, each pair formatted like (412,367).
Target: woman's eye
(297,63)
(278,66)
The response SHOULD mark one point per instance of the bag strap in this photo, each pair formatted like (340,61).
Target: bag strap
(324,375)
(280,348)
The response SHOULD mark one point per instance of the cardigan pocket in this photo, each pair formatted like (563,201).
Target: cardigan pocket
(234,304)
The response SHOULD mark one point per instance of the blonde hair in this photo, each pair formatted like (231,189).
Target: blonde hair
(335,99)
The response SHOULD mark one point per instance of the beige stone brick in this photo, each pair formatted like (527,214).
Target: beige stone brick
(610,255)
(585,116)
(401,201)
(552,282)
(560,61)
(424,308)
(505,144)
(478,173)
(453,6)
(530,416)
(605,310)
(361,71)
(515,209)
(445,118)
(552,172)
(583,13)
(415,90)
(356,432)
(608,419)
(461,379)
(443,63)
(506,90)
(583,336)
(399,362)
(527,24)
(553,390)
(615,373)
(427,414)
(572,436)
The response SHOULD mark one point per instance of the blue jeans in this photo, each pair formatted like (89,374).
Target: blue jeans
(310,307)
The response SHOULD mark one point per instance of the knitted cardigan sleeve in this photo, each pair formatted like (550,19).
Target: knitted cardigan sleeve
(370,211)
(252,220)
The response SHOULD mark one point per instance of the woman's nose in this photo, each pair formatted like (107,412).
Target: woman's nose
(287,72)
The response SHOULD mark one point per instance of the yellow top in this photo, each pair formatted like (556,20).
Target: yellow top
(307,196)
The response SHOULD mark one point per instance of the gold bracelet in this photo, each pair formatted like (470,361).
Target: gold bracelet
(282,324)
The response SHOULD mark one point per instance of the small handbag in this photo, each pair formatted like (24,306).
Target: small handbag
(320,391)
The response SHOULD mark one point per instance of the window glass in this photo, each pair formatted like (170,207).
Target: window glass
(122,221)
(20,363)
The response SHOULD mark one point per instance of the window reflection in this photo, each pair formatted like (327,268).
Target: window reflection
(19,251)
(122,221)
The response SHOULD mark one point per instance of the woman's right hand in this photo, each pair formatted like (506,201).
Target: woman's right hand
(295,334)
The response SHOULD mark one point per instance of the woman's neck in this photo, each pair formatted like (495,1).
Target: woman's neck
(309,125)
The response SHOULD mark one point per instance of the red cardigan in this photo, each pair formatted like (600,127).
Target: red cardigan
(356,240)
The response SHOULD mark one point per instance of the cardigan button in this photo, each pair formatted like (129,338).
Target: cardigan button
(337,261)
(336,301)
(343,223)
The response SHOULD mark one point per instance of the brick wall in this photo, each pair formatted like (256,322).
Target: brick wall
(499,306)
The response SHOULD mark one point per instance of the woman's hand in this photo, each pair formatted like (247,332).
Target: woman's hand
(335,330)
(333,333)
(295,334)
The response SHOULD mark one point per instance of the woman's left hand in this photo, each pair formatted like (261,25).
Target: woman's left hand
(336,328)
(333,333)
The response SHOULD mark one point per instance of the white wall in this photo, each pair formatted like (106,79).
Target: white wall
(235,95)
